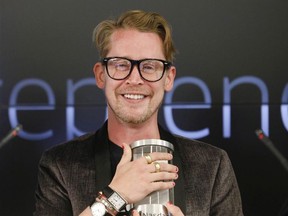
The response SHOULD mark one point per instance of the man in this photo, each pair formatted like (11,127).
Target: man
(135,71)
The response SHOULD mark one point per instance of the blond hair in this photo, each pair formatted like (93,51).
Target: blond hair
(139,20)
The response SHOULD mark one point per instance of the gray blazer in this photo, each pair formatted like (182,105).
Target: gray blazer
(70,176)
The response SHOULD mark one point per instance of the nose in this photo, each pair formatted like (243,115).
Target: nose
(135,77)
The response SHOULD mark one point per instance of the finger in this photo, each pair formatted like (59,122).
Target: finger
(157,156)
(174,210)
(163,176)
(127,154)
(135,213)
(161,185)
(164,167)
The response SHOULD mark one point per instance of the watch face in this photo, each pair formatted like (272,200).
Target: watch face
(116,201)
(98,209)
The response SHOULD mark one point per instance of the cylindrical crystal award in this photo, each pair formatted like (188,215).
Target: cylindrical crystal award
(154,203)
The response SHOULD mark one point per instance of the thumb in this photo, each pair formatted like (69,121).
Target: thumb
(174,210)
(127,154)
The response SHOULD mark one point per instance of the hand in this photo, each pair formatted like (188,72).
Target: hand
(135,179)
(174,210)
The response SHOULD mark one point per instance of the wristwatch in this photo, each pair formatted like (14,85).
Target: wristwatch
(101,206)
(98,209)
(108,202)
(115,199)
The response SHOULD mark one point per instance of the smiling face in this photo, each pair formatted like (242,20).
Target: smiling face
(134,100)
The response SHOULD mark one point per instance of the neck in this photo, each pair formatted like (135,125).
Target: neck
(120,132)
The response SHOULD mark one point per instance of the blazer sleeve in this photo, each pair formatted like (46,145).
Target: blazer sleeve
(51,195)
(226,199)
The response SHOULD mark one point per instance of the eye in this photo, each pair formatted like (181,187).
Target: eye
(148,66)
(120,64)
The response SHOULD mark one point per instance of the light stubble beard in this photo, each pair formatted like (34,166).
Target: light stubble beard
(127,117)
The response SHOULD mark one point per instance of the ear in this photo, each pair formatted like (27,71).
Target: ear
(99,74)
(169,79)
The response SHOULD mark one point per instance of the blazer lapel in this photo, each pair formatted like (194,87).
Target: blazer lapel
(179,191)
(102,159)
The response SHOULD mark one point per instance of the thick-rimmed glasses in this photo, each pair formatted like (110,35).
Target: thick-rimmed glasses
(151,70)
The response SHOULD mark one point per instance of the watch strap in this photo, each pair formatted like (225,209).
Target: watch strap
(107,191)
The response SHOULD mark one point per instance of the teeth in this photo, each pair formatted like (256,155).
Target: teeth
(134,97)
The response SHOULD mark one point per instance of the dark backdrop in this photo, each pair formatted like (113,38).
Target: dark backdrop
(232,55)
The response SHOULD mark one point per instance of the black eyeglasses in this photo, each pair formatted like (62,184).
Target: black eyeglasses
(151,70)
